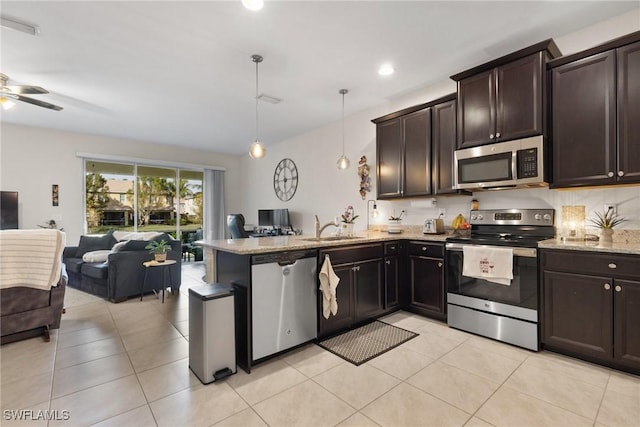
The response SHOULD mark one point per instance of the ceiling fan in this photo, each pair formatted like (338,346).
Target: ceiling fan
(9,93)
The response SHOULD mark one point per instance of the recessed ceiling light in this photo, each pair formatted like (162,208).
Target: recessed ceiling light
(253,4)
(386,70)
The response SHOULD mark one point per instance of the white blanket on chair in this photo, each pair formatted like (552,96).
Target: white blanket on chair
(31,258)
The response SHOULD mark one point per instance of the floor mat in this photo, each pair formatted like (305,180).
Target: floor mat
(366,342)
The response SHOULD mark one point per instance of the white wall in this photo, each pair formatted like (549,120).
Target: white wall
(326,191)
(32,159)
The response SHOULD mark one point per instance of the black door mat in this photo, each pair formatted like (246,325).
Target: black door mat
(366,342)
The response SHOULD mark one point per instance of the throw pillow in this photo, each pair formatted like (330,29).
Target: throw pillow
(135,245)
(118,246)
(95,243)
(96,256)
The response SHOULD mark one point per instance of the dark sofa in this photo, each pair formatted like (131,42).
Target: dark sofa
(121,276)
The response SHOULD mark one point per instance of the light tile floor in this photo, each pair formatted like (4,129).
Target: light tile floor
(127,365)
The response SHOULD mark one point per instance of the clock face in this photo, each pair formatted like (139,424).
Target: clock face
(285,179)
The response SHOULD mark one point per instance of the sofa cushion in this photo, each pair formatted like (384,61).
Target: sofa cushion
(73,264)
(95,270)
(95,243)
(96,256)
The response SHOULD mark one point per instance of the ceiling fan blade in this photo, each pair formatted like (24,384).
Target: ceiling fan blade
(27,89)
(37,102)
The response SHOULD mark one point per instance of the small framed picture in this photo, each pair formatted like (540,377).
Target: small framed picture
(55,201)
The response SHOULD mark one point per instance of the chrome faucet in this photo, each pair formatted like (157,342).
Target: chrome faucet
(319,229)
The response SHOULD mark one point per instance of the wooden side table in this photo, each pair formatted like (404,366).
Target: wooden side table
(166,274)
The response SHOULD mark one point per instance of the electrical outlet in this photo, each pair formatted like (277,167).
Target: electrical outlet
(610,206)
(442,213)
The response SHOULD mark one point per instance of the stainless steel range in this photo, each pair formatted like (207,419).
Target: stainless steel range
(502,308)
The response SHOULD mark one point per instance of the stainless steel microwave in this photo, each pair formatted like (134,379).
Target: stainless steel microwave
(510,164)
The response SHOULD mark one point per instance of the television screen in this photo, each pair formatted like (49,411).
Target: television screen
(277,218)
(8,210)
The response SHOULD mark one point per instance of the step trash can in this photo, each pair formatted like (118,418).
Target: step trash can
(212,343)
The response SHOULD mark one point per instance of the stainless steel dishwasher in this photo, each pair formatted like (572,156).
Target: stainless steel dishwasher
(284,301)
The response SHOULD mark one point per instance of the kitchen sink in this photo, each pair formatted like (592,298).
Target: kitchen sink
(331,238)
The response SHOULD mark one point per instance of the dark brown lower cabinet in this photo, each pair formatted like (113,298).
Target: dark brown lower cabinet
(590,309)
(360,293)
(426,279)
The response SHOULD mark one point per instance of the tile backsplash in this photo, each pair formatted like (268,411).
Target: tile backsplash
(625,199)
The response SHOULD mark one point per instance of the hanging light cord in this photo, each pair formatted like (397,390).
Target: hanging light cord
(257,62)
(343,93)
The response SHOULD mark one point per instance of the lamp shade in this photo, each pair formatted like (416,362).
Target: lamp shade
(257,151)
(343,162)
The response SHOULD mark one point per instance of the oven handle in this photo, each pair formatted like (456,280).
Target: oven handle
(523,252)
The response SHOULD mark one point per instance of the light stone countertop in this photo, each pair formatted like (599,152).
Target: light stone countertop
(262,245)
(592,246)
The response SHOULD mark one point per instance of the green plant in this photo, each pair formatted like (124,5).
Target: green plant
(348,216)
(396,218)
(606,220)
(156,247)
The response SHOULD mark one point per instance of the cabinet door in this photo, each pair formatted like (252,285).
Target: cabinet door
(584,122)
(391,281)
(629,113)
(578,314)
(519,98)
(444,144)
(427,286)
(389,149)
(345,315)
(417,153)
(626,320)
(476,110)
(368,295)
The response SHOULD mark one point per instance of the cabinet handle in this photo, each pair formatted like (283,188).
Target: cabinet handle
(620,173)
(439,264)
(607,286)
(618,288)
(388,262)
(610,174)
(498,135)
(393,248)
(424,248)
(612,265)
(491,136)
(358,268)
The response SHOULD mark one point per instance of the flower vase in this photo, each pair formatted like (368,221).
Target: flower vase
(347,229)
(606,235)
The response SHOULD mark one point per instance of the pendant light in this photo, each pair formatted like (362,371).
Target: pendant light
(343,161)
(257,151)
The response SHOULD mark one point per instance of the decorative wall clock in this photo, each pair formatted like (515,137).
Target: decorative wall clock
(285,179)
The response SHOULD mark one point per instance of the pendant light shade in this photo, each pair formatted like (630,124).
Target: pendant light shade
(257,150)
(343,161)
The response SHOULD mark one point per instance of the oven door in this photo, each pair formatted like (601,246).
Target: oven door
(520,299)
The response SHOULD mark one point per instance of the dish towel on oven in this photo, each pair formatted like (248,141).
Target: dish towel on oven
(492,264)
(328,285)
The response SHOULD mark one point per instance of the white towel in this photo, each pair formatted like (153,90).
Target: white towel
(328,285)
(31,258)
(492,264)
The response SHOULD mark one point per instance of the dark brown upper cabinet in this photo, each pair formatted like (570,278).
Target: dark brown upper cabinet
(404,155)
(505,98)
(415,150)
(595,115)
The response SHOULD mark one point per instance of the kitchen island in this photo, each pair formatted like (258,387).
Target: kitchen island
(368,264)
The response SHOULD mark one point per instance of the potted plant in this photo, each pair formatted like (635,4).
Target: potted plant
(605,222)
(159,249)
(394,223)
(348,219)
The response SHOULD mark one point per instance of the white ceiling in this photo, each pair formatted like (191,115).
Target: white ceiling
(180,73)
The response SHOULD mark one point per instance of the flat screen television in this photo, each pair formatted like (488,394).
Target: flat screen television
(8,210)
(276,218)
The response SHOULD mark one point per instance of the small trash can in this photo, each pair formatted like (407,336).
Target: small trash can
(212,343)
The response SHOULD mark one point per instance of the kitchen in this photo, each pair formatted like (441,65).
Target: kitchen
(535,218)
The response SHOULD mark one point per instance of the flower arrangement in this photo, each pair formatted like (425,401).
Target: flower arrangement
(348,216)
(607,220)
